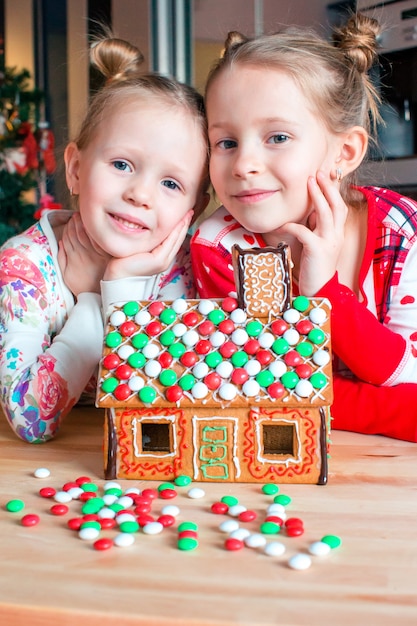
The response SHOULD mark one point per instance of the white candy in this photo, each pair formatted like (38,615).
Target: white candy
(274,548)
(179,305)
(319,548)
(190,338)
(277,509)
(200,370)
(229,526)
(236,509)
(255,540)
(317,315)
(150,351)
(171,509)
(199,391)
(238,316)
(125,501)
(239,336)
(179,329)
(125,351)
(321,357)
(117,318)
(299,561)
(135,383)
(224,369)
(153,368)
(109,498)
(205,307)
(196,492)
(88,533)
(106,513)
(143,317)
(111,484)
(217,339)
(134,490)
(153,528)
(125,517)
(41,472)
(253,367)
(291,316)
(292,336)
(304,388)
(277,368)
(62,497)
(227,391)
(251,388)
(124,540)
(240,533)
(75,492)
(266,340)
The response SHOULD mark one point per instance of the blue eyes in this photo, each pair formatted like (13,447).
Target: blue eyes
(279,138)
(229,144)
(122,166)
(170,184)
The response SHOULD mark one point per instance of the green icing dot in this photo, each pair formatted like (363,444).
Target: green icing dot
(265,378)
(316,335)
(113,340)
(239,358)
(187,382)
(137,360)
(213,359)
(183,480)
(289,380)
(167,338)
(109,385)
(301,303)
(140,340)
(167,378)
(216,316)
(147,395)
(254,328)
(131,308)
(168,316)
(305,348)
(280,346)
(318,380)
(177,350)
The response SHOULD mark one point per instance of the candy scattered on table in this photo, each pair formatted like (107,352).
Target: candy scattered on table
(126,513)
(41,472)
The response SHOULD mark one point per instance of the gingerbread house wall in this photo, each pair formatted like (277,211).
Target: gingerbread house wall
(286,445)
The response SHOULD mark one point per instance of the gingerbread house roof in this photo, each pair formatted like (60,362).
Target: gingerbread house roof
(263,348)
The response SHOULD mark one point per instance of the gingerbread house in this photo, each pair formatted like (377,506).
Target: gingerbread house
(234,390)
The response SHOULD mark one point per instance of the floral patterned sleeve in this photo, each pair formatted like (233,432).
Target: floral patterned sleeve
(47,353)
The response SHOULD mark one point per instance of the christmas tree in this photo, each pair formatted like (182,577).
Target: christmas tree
(26,152)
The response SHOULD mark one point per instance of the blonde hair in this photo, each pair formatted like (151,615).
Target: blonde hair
(119,62)
(332,75)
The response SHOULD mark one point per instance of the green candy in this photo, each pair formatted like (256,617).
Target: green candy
(176,350)
(129,527)
(301,303)
(332,540)
(305,348)
(230,500)
(137,360)
(187,543)
(182,481)
(270,528)
(282,499)
(280,346)
(265,378)
(131,308)
(147,395)
(187,382)
(113,340)
(140,340)
(168,316)
(109,385)
(318,380)
(239,358)
(270,490)
(213,359)
(168,377)
(93,505)
(167,338)
(290,380)
(254,328)
(187,526)
(316,336)
(14,506)
(216,316)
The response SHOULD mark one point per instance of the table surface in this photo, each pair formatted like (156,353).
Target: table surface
(49,576)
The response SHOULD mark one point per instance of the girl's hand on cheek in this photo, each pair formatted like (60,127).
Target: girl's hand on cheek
(82,263)
(322,240)
(153,262)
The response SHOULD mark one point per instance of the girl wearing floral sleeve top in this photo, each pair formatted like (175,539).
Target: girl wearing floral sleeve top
(138,173)
(289,119)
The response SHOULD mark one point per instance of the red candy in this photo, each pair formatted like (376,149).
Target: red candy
(127,329)
(144,519)
(264,357)
(206,328)
(295,531)
(189,359)
(293,358)
(279,327)
(47,492)
(166,520)
(252,346)
(227,349)
(174,393)
(203,346)
(150,493)
(30,519)
(191,318)
(276,390)
(107,523)
(82,479)
(165,359)
(220,508)
(233,544)
(247,516)
(75,523)
(304,370)
(213,380)
(122,392)
(229,305)
(239,376)
(227,327)
(59,509)
(105,543)
(304,327)
(154,328)
(167,494)
(156,308)
(188,533)
(111,361)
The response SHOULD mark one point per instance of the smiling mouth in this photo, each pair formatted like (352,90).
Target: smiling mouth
(254,195)
(128,224)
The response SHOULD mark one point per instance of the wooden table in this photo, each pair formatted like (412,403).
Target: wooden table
(50,577)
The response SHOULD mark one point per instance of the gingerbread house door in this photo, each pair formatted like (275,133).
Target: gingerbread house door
(215,448)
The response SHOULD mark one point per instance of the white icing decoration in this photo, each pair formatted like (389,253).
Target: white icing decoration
(239,336)
(179,329)
(117,318)
(292,316)
(199,391)
(200,370)
(317,315)
(263,285)
(190,338)
(321,357)
(179,306)
(153,368)
(205,307)
(292,336)
(125,351)
(143,317)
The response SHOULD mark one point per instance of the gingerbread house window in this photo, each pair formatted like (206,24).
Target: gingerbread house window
(156,437)
(278,439)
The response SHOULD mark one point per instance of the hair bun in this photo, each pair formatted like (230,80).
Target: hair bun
(234,38)
(115,58)
(358,39)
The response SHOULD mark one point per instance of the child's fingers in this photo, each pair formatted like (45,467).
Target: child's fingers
(331,208)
